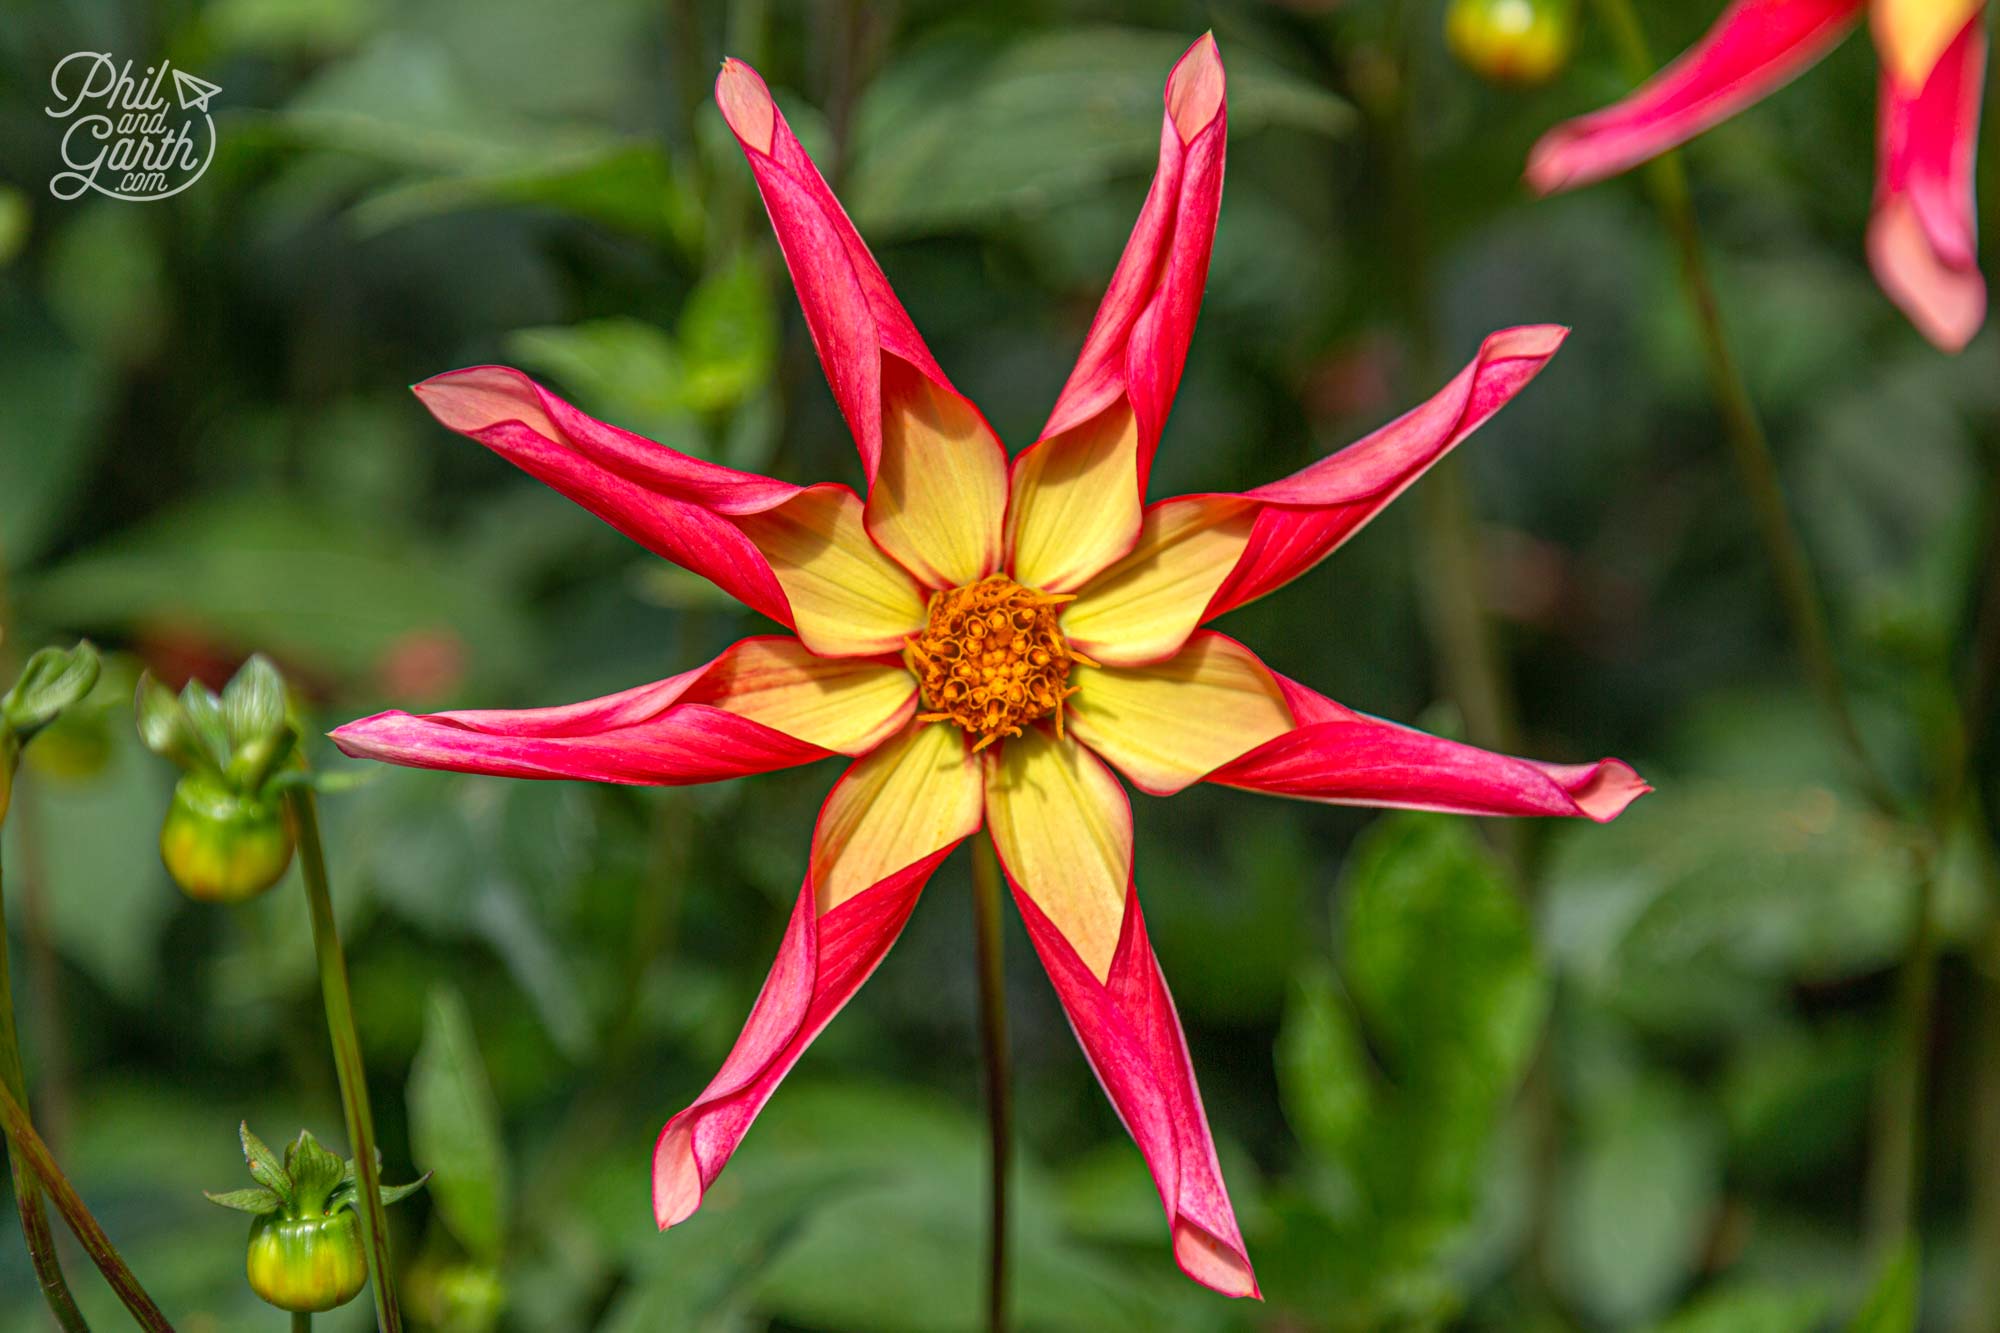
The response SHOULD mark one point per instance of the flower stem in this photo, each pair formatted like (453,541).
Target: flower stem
(35,1227)
(999,1094)
(1750,447)
(302,1322)
(346,1055)
(32,1156)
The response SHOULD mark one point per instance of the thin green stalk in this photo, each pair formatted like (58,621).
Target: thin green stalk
(999,1083)
(302,1322)
(35,1227)
(1749,445)
(26,1148)
(346,1055)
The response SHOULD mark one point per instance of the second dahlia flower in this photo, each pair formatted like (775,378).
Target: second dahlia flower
(988,643)
(1923,233)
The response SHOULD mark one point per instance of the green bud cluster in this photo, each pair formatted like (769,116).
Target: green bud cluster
(225,838)
(305,1252)
(53,680)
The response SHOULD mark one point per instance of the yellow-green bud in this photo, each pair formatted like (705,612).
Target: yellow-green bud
(306,1264)
(220,845)
(1519,42)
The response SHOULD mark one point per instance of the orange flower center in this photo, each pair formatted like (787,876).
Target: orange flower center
(992,658)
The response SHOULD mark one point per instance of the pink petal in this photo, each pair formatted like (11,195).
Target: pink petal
(1131,1035)
(686,729)
(1756,47)
(1138,343)
(1342,757)
(822,962)
(1310,513)
(851,311)
(1923,235)
(676,506)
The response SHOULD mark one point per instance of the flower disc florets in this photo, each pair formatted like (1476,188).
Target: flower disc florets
(992,658)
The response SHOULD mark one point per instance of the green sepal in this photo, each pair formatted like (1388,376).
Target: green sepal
(163,726)
(54,679)
(253,702)
(265,1168)
(203,711)
(316,1174)
(257,1200)
(349,1194)
(326,784)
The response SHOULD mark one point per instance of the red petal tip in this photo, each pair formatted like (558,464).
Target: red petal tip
(1195,88)
(746,104)
(1213,1263)
(1608,791)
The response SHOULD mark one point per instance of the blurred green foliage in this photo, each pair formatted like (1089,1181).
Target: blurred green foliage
(1594,1078)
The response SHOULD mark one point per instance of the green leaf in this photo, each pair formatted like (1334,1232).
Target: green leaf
(1635,1201)
(54,679)
(264,1166)
(455,1128)
(1892,1304)
(47,466)
(1323,1070)
(728,337)
(1751,1308)
(257,1200)
(969,130)
(1440,959)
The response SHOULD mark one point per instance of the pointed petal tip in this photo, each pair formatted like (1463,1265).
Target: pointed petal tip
(1611,787)
(746,104)
(1213,1262)
(1196,88)
(1945,302)
(362,738)
(676,1179)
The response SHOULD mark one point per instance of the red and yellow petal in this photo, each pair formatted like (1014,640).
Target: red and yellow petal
(764,704)
(1169,725)
(1199,556)
(937,473)
(918,792)
(1125,1021)
(1340,757)
(1144,607)
(1923,232)
(1756,47)
(1063,829)
(1079,490)
(1075,502)
(940,495)
(1913,35)
(846,597)
(885,827)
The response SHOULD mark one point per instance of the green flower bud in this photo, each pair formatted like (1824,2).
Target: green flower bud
(305,1253)
(1518,42)
(221,845)
(306,1263)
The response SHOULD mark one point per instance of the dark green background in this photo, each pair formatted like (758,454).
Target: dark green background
(1628,1089)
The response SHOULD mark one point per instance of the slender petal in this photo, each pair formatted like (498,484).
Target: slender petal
(1126,1023)
(765,703)
(1112,410)
(1199,556)
(1923,234)
(1913,35)
(1756,47)
(1062,824)
(937,473)
(1171,724)
(884,828)
(778,548)
(1342,757)
(824,959)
